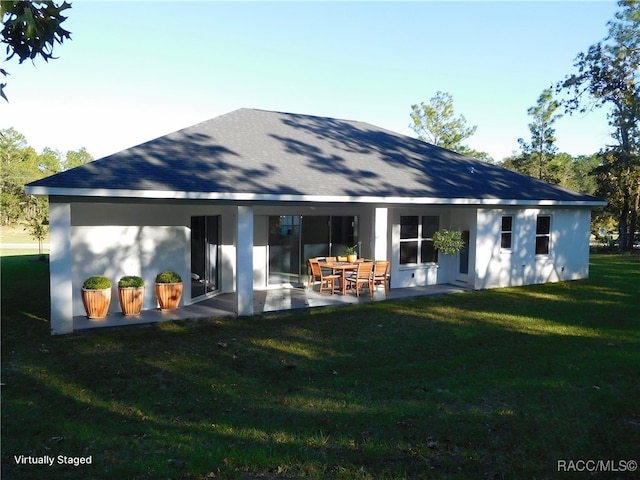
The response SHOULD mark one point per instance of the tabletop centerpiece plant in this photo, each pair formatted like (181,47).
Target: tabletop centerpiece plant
(96,296)
(131,294)
(168,289)
(351,254)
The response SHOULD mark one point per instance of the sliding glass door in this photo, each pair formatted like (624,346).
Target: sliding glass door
(293,239)
(204,255)
(284,249)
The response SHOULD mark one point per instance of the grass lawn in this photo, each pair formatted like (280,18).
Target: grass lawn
(18,234)
(492,384)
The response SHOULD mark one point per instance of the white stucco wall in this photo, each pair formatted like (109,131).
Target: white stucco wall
(142,239)
(115,251)
(447,268)
(568,258)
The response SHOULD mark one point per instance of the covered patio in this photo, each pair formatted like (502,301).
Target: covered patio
(270,300)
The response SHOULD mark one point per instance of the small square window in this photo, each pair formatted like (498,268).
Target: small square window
(429,226)
(542,245)
(543,225)
(429,252)
(409,227)
(408,252)
(505,241)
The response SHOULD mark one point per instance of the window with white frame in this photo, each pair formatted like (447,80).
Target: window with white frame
(543,234)
(416,239)
(506,232)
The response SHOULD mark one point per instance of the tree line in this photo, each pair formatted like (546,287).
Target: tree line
(607,75)
(21,164)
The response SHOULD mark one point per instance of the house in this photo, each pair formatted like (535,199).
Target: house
(239,202)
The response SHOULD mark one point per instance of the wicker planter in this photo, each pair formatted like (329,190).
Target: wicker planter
(131,300)
(96,302)
(352,258)
(169,295)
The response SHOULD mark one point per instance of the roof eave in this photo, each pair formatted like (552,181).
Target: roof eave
(284,197)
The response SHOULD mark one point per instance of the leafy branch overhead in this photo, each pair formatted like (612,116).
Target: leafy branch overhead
(32,29)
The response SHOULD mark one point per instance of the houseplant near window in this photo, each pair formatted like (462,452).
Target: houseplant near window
(131,294)
(96,296)
(350,252)
(449,242)
(168,289)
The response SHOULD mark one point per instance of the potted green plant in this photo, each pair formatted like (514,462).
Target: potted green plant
(350,252)
(449,242)
(131,294)
(96,296)
(168,289)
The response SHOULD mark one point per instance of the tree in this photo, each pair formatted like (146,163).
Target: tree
(48,162)
(583,174)
(18,162)
(38,229)
(541,150)
(608,75)
(31,29)
(21,164)
(435,123)
(76,158)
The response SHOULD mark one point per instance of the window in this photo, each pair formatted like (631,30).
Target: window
(416,239)
(543,234)
(506,233)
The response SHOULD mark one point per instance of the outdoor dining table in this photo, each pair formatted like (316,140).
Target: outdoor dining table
(343,267)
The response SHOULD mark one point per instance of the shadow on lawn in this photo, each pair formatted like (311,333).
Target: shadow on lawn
(423,388)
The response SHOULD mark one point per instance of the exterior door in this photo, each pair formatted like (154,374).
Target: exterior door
(463,258)
(204,255)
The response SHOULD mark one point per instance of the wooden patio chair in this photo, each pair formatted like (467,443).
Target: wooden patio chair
(381,274)
(314,272)
(342,259)
(331,259)
(362,277)
(328,281)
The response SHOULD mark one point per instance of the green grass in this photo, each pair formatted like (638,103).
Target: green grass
(492,384)
(18,234)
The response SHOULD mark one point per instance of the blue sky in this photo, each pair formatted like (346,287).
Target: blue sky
(138,70)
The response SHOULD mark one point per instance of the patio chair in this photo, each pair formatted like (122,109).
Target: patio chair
(381,274)
(362,277)
(314,272)
(328,281)
(342,259)
(331,259)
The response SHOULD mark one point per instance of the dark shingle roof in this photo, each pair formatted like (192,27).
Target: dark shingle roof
(261,152)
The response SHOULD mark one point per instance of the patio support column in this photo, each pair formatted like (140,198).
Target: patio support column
(381,234)
(60,267)
(244,261)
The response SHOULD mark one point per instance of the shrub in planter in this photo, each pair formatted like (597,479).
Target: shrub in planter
(168,289)
(96,296)
(131,294)
(168,276)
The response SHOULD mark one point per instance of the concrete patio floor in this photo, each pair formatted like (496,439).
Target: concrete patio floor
(271,300)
